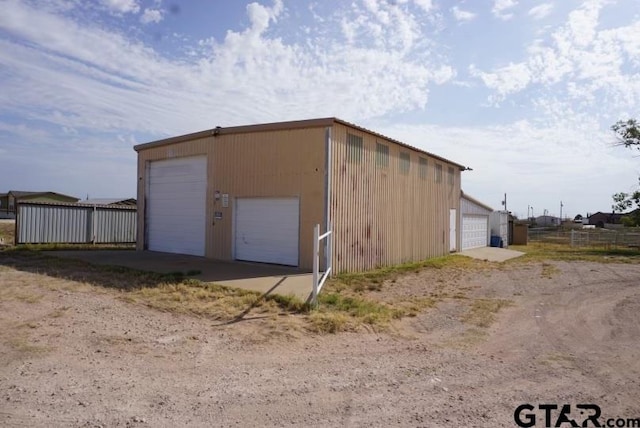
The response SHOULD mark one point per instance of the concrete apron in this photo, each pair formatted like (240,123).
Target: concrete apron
(491,254)
(262,278)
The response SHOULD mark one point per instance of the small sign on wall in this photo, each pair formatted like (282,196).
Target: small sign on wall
(225,200)
(217,215)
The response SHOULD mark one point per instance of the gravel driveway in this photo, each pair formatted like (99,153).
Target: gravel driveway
(76,355)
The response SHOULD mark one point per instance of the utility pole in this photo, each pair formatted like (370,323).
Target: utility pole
(561,212)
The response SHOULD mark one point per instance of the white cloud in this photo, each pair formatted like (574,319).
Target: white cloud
(260,16)
(500,8)
(106,82)
(152,15)
(541,11)
(425,5)
(580,62)
(462,15)
(505,80)
(122,6)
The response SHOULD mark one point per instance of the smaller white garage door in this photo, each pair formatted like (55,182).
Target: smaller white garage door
(267,230)
(475,230)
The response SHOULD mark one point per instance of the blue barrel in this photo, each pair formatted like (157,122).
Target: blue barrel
(495,241)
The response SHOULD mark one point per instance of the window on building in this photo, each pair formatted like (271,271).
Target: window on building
(450,176)
(404,162)
(382,155)
(438,173)
(355,148)
(422,171)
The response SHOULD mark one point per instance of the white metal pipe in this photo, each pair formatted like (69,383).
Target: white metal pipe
(316,262)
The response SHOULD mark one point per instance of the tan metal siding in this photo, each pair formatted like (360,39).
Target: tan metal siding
(275,163)
(382,217)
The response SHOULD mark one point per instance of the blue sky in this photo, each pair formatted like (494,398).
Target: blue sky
(522,91)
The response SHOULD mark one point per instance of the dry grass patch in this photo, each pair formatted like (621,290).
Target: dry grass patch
(21,294)
(467,339)
(557,359)
(7,232)
(352,301)
(23,346)
(212,300)
(17,337)
(549,270)
(330,322)
(540,251)
(59,312)
(375,280)
(482,312)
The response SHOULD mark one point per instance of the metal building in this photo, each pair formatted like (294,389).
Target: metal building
(256,192)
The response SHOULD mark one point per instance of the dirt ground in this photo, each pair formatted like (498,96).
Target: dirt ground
(82,356)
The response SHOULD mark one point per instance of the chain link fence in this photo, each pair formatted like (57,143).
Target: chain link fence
(620,238)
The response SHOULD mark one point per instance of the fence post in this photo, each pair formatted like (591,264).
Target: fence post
(330,250)
(93,225)
(316,261)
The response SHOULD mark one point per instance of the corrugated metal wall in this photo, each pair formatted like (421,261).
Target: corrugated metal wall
(39,223)
(470,207)
(382,217)
(499,224)
(278,163)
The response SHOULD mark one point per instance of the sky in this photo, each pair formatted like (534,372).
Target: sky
(522,91)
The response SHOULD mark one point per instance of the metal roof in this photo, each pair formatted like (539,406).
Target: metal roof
(78,204)
(22,193)
(109,201)
(275,126)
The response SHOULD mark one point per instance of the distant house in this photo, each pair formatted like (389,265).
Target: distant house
(599,219)
(547,220)
(9,200)
(110,201)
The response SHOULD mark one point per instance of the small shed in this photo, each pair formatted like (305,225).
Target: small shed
(474,222)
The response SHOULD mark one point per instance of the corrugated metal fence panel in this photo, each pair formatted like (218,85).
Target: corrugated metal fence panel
(115,225)
(40,223)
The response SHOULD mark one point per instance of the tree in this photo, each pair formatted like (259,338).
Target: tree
(628,135)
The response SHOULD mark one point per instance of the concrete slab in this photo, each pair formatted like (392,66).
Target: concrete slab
(492,254)
(263,278)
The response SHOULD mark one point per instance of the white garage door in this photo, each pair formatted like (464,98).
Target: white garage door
(475,230)
(267,230)
(176,202)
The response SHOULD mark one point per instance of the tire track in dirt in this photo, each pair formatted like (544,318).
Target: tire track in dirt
(578,325)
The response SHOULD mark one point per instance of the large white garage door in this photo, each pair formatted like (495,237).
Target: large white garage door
(176,202)
(475,229)
(267,230)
